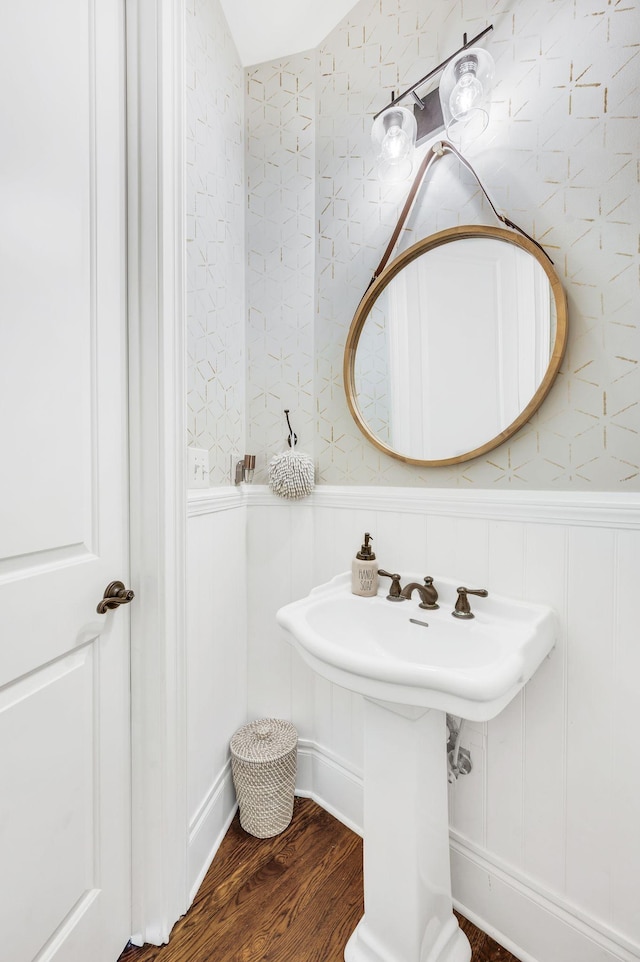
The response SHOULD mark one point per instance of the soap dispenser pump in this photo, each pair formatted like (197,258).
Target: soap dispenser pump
(364,571)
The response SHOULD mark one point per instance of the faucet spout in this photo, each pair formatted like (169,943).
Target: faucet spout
(427,592)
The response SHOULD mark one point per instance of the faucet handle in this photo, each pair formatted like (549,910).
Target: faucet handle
(395,589)
(432,592)
(463,608)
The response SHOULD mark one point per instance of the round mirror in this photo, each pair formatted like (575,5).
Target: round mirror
(455,345)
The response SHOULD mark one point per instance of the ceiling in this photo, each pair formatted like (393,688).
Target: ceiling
(270,29)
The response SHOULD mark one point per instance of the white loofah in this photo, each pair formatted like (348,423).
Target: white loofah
(291,475)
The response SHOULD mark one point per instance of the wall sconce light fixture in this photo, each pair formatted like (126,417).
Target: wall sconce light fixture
(394,137)
(460,105)
(465,87)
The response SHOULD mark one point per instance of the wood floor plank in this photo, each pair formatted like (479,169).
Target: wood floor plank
(296,897)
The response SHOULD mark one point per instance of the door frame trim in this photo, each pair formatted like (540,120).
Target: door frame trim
(156,253)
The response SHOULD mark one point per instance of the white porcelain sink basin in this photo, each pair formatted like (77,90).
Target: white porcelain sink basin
(412,672)
(471,668)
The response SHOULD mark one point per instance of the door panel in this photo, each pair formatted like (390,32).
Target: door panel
(64,669)
(46,253)
(45,837)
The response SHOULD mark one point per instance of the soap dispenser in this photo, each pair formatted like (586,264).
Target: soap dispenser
(364,571)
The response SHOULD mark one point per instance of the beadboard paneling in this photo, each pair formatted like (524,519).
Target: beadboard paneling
(545,836)
(549,805)
(468,803)
(591,783)
(279,568)
(625,883)
(544,746)
(216,673)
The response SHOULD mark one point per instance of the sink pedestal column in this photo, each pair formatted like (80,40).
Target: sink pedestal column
(407,879)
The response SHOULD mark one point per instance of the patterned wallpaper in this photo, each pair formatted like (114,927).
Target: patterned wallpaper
(215,206)
(281,235)
(560,158)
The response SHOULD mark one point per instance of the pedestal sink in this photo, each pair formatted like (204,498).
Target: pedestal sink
(412,666)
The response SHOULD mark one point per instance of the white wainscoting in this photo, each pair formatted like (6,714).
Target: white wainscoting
(216,649)
(545,838)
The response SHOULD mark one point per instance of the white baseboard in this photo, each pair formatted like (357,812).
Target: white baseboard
(534,924)
(321,776)
(208,828)
(523,913)
(331,782)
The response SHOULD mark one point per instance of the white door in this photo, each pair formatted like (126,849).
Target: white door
(64,668)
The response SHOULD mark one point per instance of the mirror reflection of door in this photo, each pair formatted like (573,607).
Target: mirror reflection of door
(463,356)
(455,346)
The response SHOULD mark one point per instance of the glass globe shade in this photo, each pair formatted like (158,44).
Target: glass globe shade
(394,134)
(465,88)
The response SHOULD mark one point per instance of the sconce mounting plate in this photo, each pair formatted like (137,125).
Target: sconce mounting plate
(428,117)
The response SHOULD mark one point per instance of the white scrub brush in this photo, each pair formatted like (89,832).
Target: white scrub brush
(291,474)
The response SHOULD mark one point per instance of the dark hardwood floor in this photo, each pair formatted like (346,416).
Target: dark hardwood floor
(293,898)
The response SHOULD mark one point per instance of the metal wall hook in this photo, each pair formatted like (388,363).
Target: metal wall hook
(292,440)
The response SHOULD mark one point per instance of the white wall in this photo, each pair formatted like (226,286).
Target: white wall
(216,654)
(545,839)
(544,831)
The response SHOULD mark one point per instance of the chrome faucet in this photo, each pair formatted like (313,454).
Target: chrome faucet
(427,592)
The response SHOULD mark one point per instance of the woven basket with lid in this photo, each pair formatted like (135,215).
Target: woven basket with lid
(263,763)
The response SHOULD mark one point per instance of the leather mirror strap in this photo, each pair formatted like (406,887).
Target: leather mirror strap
(438,150)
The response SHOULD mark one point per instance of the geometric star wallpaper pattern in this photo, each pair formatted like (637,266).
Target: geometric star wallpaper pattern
(215,224)
(560,158)
(281,235)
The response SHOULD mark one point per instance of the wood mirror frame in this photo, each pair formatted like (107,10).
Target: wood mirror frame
(394,268)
